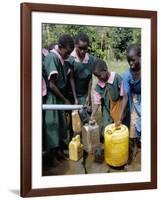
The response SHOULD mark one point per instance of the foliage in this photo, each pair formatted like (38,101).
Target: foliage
(108,43)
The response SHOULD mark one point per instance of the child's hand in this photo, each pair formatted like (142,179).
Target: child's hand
(117,124)
(88,104)
(88,108)
(92,118)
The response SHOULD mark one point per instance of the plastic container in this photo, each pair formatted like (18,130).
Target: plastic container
(90,137)
(76,122)
(116,145)
(75,148)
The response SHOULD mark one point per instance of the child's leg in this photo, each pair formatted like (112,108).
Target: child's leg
(132,150)
(62,129)
(132,138)
(138,139)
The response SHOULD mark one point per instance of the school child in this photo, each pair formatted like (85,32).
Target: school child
(45,52)
(132,88)
(57,71)
(108,93)
(82,64)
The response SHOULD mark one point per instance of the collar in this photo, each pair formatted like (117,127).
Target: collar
(45,52)
(110,80)
(55,50)
(85,60)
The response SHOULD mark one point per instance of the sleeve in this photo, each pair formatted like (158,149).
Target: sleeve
(50,66)
(44,88)
(97,98)
(69,67)
(69,71)
(126,84)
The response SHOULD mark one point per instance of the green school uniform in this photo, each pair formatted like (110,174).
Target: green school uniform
(114,93)
(82,73)
(55,121)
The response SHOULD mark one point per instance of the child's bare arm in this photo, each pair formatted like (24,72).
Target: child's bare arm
(73,87)
(123,107)
(95,109)
(56,91)
(89,93)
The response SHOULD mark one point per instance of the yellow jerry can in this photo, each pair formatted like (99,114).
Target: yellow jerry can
(76,122)
(75,148)
(116,145)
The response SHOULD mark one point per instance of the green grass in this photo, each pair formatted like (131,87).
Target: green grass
(118,66)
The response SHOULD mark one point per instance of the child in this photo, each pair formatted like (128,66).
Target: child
(82,64)
(132,88)
(108,93)
(57,71)
(45,52)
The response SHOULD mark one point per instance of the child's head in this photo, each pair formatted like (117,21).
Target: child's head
(101,70)
(134,57)
(66,45)
(81,44)
(51,46)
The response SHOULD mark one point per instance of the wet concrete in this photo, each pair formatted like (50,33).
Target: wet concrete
(68,167)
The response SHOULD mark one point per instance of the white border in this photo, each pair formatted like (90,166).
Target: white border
(93,179)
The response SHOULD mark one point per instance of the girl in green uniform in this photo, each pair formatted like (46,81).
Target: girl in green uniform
(82,65)
(108,91)
(56,70)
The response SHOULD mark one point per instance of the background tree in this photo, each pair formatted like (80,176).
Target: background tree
(108,43)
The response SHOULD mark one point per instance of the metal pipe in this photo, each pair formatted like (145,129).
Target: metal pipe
(61,107)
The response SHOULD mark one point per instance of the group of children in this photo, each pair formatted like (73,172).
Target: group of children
(67,79)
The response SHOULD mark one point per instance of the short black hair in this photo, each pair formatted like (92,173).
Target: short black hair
(134,47)
(66,41)
(51,46)
(99,65)
(81,37)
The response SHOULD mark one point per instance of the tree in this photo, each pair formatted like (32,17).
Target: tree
(108,43)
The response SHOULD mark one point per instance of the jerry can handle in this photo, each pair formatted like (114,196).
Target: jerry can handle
(116,128)
(109,132)
(92,122)
(113,129)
